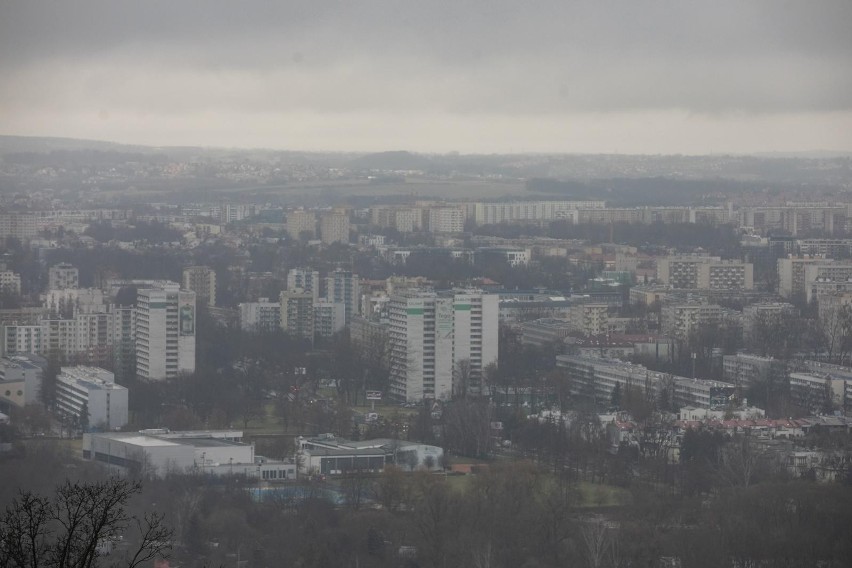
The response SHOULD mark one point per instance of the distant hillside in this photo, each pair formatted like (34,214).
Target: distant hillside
(396,160)
(44,145)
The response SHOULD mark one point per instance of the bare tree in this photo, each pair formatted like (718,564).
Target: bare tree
(740,460)
(462,378)
(71,528)
(596,542)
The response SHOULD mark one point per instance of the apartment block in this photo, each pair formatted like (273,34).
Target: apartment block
(438,337)
(202,281)
(301,222)
(304,279)
(260,316)
(297,313)
(63,276)
(791,275)
(80,389)
(345,287)
(10,283)
(445,219)
(334,227)
(329,318)
(165,332)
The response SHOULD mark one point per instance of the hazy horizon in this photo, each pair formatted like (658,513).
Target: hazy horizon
(435,77)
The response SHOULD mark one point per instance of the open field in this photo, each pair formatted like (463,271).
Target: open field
(588,494)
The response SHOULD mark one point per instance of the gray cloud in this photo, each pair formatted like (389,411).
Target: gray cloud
(456,62)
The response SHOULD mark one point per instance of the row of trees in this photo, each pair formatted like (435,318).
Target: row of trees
(515,514)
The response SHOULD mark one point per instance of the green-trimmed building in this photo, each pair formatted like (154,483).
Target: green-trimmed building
(440,342)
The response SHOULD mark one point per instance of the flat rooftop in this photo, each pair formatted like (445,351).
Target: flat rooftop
(136,439)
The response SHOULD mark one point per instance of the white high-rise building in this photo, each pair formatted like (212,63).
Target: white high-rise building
(165,332)
(62,277)
(304,279)
(440,343)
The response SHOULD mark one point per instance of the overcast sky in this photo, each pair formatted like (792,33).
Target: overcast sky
(472,76)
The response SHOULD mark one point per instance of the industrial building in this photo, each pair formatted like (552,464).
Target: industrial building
(159,452)
(329,455)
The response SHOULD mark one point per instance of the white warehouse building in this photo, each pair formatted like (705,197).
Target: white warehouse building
(160,452)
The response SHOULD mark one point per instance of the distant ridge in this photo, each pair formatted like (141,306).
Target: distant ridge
(41,144)
(393,160)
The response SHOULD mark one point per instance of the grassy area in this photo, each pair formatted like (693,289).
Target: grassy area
(589,494)
(597,495)
(386,410)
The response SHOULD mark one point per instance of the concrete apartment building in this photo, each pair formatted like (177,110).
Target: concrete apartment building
(794,217)
(595,379)
(791,275)
(747,369)
(345,287)
(680,319)
(682,271)
(329,317)
(589,319)
(20,226)
(821,392)
(165,332)
(98,334)
(10,283)
(334,227)
(769,313)
(202,281)
(297,313)
(403,219)
(62,277)
(90,388)
(301,222)
(68,302)
(430,333)
(527,211)
(445,219)
(20,379)
(22,338)
(513,256)
(726,275)
(821,387)
(705,273)
(826,277)
(260,316)
(304,279)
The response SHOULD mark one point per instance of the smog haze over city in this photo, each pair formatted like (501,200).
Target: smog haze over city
(425,284)
(475,77)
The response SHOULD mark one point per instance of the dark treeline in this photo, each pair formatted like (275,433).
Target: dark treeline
(514,514)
